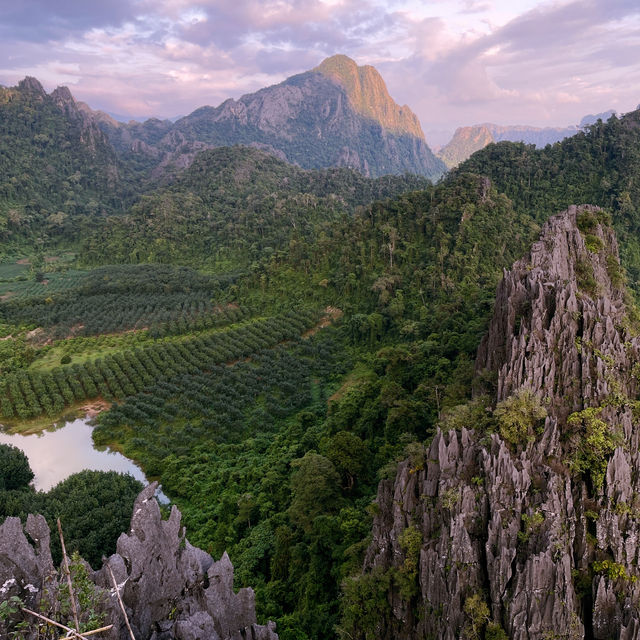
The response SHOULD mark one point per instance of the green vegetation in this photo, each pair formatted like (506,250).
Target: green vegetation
(531,525)
(15,472)
(235,206)
(57,173)
(518,417)
(221,392)
(477,614)
(613,570)
(325,327)
(593,441)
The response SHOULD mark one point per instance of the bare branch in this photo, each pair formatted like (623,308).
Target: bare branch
(115,586)
(71,632)
(66,570)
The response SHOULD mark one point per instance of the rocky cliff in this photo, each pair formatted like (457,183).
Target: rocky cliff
(368,95)
(337,114)
(525,521)
(170,589)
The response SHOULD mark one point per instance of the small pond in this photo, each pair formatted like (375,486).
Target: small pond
(55,455)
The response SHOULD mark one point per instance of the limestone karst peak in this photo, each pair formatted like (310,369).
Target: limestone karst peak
(522,516)
(368,94)
(32,85)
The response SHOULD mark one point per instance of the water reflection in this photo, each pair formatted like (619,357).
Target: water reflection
(55,455)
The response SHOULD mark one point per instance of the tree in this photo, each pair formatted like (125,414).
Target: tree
(315,487)
(15,472)
(349,455)
(95,508)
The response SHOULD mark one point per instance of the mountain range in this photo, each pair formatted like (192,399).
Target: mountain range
(337,114)
(468,140)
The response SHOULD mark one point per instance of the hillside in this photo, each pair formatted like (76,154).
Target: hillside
(55,164)
(337,114)
(234,205)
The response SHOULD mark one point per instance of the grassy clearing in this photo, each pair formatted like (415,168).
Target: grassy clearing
(356,378)
(8,271)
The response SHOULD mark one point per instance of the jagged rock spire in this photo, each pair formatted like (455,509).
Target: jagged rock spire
(540,538)
(170,589)
(560,316)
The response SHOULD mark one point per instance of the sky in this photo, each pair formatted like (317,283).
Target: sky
(453,62)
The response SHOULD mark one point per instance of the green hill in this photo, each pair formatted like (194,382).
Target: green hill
(235,205)
(56,165)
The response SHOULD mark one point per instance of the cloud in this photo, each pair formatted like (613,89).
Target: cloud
(37,20)
(545,67)
(453,62)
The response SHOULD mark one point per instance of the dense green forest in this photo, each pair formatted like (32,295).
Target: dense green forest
(56,168)
(233,206)
(598,167)
(325,326)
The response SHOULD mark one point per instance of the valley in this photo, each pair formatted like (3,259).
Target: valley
(379,395)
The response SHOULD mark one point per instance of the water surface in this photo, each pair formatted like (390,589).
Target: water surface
(55,455)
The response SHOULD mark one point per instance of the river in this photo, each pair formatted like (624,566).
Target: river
(55,455)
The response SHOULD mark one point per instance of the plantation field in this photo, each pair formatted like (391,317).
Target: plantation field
(119,332)
(9,271)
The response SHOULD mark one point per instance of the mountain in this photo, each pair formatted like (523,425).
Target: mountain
(337,114)
(55,162)
(519,520)
(468,140)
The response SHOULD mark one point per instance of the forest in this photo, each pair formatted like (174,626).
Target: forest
(272,342)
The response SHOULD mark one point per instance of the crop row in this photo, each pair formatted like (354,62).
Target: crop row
(29,394)
(223,404)
(55,282)
(110,313)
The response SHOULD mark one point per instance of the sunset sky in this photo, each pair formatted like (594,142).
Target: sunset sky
(454,62)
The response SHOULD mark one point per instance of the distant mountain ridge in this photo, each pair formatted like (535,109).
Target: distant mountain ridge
(468,140)
(337,114)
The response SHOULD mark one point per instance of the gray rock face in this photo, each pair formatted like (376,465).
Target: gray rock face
(25,569)
(309,120)
(170,589)
(552,552)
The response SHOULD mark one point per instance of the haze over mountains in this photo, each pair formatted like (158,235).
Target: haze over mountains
(468,140)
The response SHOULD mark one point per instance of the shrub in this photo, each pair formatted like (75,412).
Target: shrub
(518,415)
(596,441)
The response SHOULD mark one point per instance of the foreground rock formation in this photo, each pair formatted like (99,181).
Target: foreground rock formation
(170,589)
(529,531)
